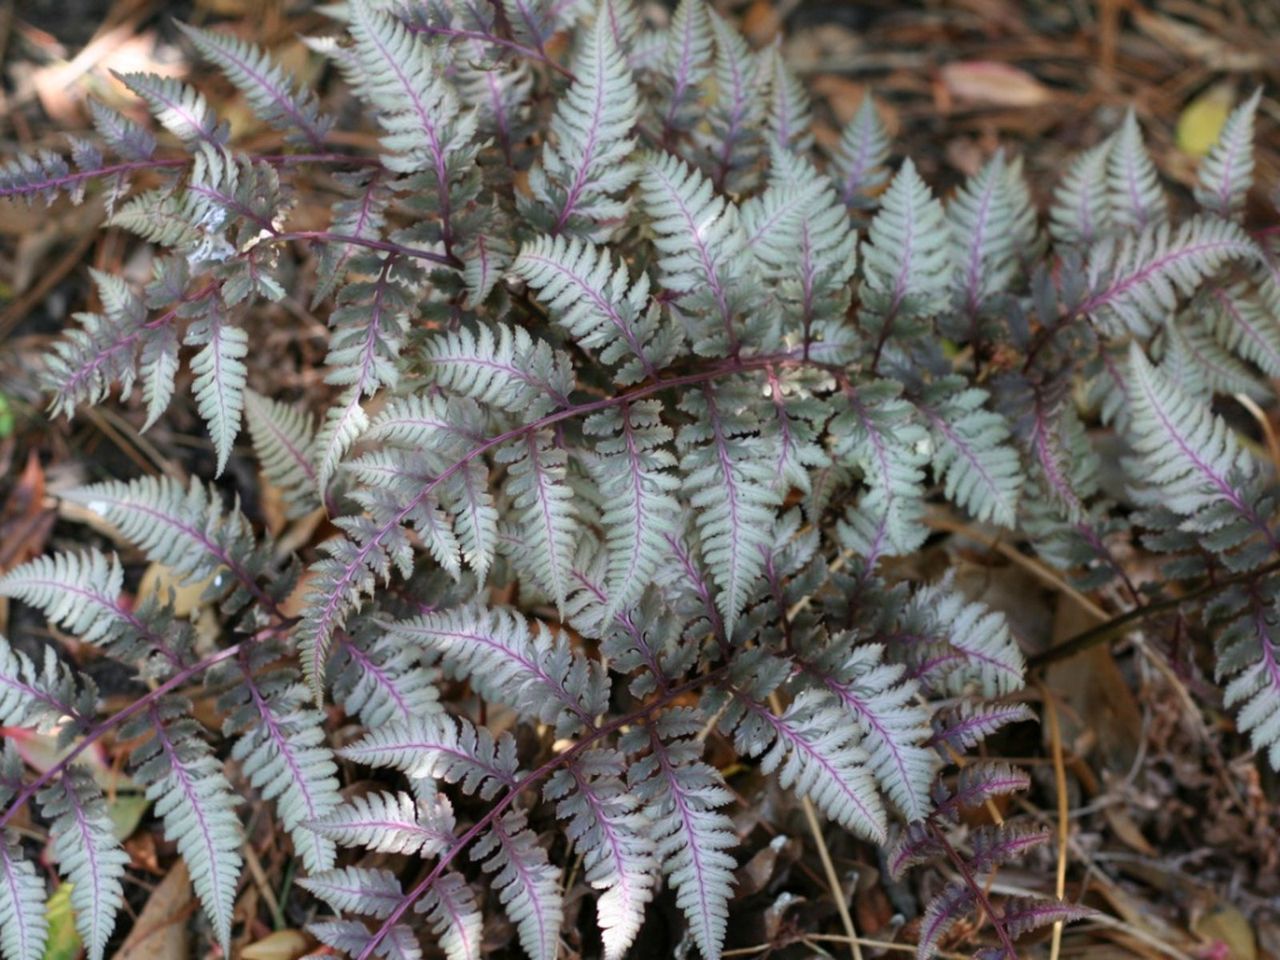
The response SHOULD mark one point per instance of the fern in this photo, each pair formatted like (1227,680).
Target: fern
(691,833)
(284,441)
(537,675)
(698,239)
(891,724)
(38,697)
(595,300)
(1189,456)
(729,487)
(527,884)
(861,157)
(1136,279)
(1137,199)
(219,379)
(587,162)
(23,928)
(634,417)
(192,796)
(264,84)
(905,257)
(88,855)
(611,833)
(281,751)
(417,107)
(1226,173)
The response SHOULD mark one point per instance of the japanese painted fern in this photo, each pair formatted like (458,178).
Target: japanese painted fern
(633,394)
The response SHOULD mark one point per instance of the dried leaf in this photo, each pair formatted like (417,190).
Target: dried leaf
(160,932)
(280,945)
(995,84)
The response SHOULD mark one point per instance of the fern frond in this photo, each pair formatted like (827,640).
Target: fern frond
(1226,172)
(181,110)
(586,160)
(1248,323)
(195,802)
(528,885)
(365,891)
(87,853)
(450,908)
(1197,360)
(686,64)
(1021,915)
(378,681)
(509,660)
(391,823)
(266,87)
(532,21)
(40,697)
(994,846)
(1137,199)
(978,783)
(354,939)
(968,724)
(978,647)
(894,728)
(1249,653)
(683,796)
(220,376)
(611,834)
(417,106)
(369,324)
(593,298)
(281,750)
(860,158)
(1189,459)
(790,117)
(878,436)
(83,594)
(509,370)
(943,912)
(23,927)
(731,142)
(979,468)
(543,503)
(122,135)
(1136,279)
(906,261)
(103,350)
(442,748)
(284,440)
(343,424)
(730,485)
(635,477)
(698,238)
(1081,211)
(815,752)
(185,530)
(981,217)
(802,238)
